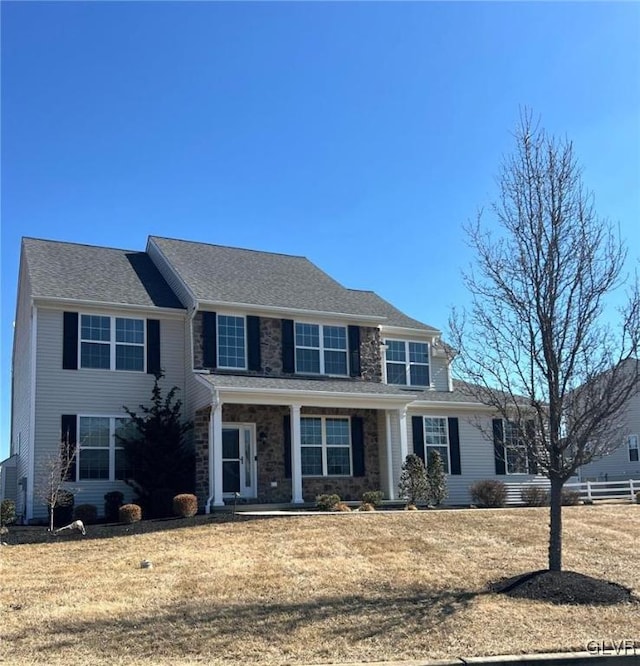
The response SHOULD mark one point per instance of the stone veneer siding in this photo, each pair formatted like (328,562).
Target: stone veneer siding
(269,421)
(271,349)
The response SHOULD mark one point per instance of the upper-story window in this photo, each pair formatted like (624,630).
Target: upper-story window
(112,343)
(632,443)
(407,363)
(232,348)
(515,449)
(321,349)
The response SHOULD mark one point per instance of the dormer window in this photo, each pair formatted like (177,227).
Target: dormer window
(407,363)
(321,349)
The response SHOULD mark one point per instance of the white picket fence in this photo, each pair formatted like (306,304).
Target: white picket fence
(589,490)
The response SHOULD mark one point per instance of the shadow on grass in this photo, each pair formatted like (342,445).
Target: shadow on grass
(243,631)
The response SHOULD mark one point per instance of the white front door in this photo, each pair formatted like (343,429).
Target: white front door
(238,460)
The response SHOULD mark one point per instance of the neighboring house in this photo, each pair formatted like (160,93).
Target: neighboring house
(296,385)
(624,462)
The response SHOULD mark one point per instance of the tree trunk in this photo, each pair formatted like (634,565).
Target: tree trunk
(555,525)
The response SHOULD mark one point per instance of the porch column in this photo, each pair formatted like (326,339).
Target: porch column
(404,445)
(215,459)
(391,486)
(296,457)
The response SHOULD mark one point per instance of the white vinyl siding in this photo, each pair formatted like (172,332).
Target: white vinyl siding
(94,392)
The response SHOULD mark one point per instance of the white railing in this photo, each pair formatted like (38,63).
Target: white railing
(589,490)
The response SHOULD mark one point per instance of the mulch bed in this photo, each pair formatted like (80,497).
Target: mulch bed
(564,587)
(19,534)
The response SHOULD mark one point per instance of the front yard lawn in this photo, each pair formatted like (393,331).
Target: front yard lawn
(314,589)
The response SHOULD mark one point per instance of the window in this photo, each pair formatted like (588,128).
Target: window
(231,342)
(100,453)
(321,349)
(633,448)
(110,343)
(436,438)
(326,446)
(515,450)
(407,363)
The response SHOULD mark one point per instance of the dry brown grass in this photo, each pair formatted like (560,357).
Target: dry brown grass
(314,589)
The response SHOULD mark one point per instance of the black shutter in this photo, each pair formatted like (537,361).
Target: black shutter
(498,446)
(357,445)
(209,343)
(454,446)
(354,351)
(530,429)
(153,346)
(253,343)
(68,439)
(286,429)
(417,425)
(70,341)
(288,348)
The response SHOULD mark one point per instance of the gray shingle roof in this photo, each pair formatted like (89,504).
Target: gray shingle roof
(219,274)
(225,381)
(60,270)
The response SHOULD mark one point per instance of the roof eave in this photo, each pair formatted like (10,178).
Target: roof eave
(89,304)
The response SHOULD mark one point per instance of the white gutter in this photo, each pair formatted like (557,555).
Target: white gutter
(93,305)
(278,311)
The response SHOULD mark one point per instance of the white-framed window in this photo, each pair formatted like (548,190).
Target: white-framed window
(407,362)
(232,342)
(515,449)
(436,438)
(321,349)
(100,455)
(326,445)
(632,443)
(112,343)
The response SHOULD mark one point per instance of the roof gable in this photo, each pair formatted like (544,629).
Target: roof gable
(71,271)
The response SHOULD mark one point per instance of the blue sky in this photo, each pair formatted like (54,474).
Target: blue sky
(361,135)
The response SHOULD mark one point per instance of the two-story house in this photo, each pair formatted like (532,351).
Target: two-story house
(296,385)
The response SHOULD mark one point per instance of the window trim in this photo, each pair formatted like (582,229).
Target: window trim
(112,447)
(112,342)
(407,363)
(523,445)
(324,446)
(434,446)
(636,448)
(321,348)
(245,350)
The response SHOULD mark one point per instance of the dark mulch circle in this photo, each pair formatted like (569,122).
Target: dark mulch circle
(564,587)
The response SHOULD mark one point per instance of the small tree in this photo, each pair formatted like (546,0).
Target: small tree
(156,451)
(436,479)
(57,472)
(413,484)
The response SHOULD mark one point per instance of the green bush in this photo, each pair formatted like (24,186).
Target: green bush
(534,496)
(489,493)
(112,503)
(87,513)
(327,502)
(7,512)
(130,513)
(185,505)
(374,497)
(570,497)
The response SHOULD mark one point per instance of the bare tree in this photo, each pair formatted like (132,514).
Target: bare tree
(534,343)
(57,469)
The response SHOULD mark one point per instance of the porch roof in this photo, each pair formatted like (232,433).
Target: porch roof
(321,391)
